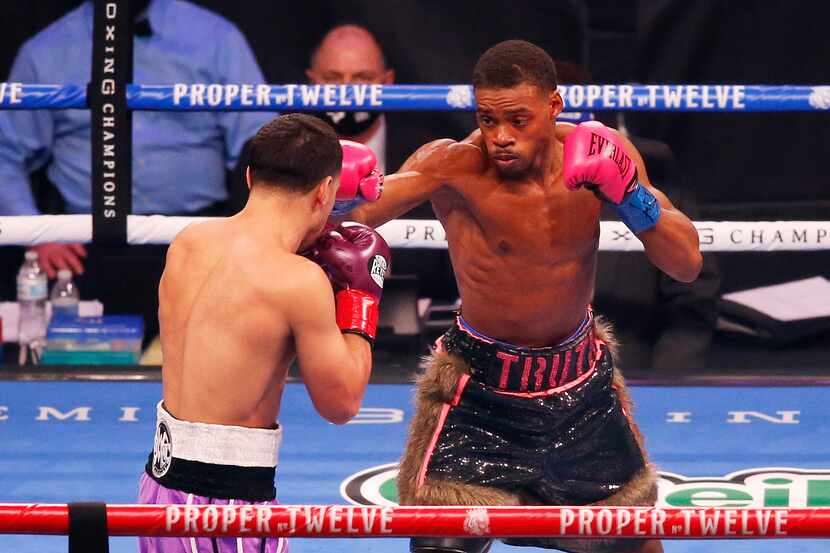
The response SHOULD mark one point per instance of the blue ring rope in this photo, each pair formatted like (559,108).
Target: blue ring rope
(305,97)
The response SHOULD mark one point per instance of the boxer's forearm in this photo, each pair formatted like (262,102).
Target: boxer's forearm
(401,192)
(672,246)
(338,391)
(360,352)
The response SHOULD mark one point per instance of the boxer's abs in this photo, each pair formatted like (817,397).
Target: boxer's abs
(522,286)
(529,306)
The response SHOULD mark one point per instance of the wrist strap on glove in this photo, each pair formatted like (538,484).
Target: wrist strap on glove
(357,313)
(342,207)
(640,210)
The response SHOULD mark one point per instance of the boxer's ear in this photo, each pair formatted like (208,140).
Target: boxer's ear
(555,104)
(325,192)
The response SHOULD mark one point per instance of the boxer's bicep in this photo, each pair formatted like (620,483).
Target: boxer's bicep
(431,167)
(330,372)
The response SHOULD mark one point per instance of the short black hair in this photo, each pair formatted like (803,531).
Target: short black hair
(513,62)
(294,152)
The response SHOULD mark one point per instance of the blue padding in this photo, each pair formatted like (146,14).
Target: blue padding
(69,441)
(342,207)
(307,97)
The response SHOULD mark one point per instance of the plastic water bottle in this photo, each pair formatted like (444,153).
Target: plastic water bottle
(64,297)
(32,291)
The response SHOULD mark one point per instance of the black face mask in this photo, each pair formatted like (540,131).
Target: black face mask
(349,123)
(138,7)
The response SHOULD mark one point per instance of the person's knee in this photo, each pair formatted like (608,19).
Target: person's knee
(449,545)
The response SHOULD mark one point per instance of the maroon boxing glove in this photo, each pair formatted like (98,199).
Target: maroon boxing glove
(356,259)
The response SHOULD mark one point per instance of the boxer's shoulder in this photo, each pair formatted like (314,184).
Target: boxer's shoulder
(308,271)
(450,154)
(198,236)
(200,230)
(303,285)
(563,130)
(299,277)
(448,158)
(294,269)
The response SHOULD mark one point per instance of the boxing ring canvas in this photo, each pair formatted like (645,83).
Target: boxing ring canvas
(737,446)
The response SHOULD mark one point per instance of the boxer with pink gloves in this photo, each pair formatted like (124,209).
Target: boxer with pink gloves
(521,402)
(594,157)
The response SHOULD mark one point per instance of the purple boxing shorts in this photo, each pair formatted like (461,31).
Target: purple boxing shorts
(210,464)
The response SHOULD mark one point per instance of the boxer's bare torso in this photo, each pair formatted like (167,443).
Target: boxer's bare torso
(220,367)
(523,251)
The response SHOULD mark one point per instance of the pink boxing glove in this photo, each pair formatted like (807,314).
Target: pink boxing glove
(360,181)
(595,157)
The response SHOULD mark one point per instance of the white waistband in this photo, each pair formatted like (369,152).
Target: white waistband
(218,444)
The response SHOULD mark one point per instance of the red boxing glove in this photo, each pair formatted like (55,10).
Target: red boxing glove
(356,259)
(595,158)
(360,181)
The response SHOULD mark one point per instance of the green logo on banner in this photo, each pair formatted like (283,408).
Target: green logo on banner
(755,488)
(747,488)
(373,486)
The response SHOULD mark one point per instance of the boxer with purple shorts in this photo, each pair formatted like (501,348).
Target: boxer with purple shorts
(238,304)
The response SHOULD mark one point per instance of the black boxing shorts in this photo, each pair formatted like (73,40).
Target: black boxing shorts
(545,424)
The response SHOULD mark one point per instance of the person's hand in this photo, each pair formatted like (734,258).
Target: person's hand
(360,181)
(53,257)
(356,259)
(595,157)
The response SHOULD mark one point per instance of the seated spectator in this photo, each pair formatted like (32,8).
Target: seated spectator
(179,159)
(350,54)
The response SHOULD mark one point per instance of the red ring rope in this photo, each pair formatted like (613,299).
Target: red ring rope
(365,521)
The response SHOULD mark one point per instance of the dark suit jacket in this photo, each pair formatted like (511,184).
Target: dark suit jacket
(661,323)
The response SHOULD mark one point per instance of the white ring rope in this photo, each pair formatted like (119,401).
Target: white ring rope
(715,236)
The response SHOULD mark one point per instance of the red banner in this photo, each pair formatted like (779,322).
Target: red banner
(338,521)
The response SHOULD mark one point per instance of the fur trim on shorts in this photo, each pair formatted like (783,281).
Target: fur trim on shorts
(436,386)
(605,332)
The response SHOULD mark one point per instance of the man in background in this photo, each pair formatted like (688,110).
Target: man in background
(351,54)
(179,159)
